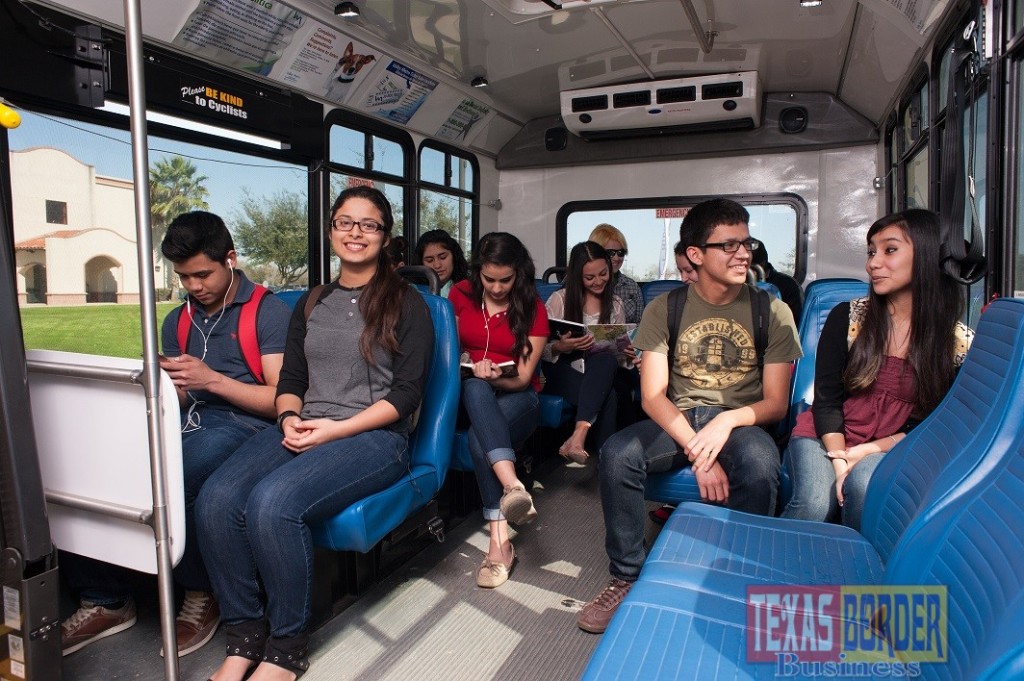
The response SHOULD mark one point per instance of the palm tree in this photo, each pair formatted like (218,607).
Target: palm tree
(175,187)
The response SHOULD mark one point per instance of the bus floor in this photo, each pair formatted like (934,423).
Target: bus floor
(428,619)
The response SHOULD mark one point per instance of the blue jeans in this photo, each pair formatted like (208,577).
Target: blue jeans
(750,460)
(254,515)
(203,451)
(814,481)
(855,487)
(499,422)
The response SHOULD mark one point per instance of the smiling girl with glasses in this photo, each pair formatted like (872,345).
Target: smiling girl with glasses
(612,240)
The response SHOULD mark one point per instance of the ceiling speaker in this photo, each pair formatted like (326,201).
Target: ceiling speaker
(555,139)
(793,119)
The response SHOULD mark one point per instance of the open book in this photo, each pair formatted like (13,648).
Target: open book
(508,369)
(606,336)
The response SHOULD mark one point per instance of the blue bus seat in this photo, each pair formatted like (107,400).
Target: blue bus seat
(546,288)
(943,509)
(820,297)
(652,289)
(931,519)
(669,631)
(771,288)
(289,298)
(360,526)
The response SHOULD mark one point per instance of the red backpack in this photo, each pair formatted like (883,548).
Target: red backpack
(248,340)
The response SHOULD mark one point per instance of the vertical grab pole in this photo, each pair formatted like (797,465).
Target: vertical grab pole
(151,370)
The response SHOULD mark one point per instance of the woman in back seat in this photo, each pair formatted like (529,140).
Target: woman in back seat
(884,362)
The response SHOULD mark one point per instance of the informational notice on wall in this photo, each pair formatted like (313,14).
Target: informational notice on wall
(328,64)
(241,33)
(399,93)
(468,113)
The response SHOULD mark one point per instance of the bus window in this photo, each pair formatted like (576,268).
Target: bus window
(74,218)
(449,192)
(652,232)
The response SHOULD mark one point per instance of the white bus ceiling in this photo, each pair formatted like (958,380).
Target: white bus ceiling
(847,77)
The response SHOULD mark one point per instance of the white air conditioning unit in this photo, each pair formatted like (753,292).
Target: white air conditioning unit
(728,101)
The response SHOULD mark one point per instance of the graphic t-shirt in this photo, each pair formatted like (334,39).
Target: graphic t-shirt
(715,362)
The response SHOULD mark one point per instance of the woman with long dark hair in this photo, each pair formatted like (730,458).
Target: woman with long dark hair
(884,362)
(501,322)
(438,250)
(354,371)
(571,367)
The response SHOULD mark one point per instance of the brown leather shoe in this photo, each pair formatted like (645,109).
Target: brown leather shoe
(92,622)
(595,616)
(197,622)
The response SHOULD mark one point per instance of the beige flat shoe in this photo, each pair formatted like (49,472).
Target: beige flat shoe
(492,574)
(517,505)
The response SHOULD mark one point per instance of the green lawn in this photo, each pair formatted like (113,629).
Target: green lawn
(113,330)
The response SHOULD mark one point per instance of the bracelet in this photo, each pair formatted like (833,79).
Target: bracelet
(894,440)
(282,416)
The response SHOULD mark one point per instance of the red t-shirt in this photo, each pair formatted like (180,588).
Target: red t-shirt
(490,338)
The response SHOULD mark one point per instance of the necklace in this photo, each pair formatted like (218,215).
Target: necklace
(897,347)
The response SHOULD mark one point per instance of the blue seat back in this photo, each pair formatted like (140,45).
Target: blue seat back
(652,289)
(934,459)
(289,298)
(366,522)
(546,288)
(820,297)
(972,543)
(771,288)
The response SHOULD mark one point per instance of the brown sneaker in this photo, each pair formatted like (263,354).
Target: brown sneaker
(517,505)
(91,622)
(197,622)
(595,615)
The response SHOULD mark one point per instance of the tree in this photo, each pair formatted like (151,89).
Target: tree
(175,187)
(274,231)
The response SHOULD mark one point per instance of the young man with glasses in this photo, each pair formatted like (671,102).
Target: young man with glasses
(708,406)
(226,396)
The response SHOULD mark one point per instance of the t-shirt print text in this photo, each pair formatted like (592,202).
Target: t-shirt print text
(716,353)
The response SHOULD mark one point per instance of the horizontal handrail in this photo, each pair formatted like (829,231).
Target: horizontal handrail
(143,516)
(76,371)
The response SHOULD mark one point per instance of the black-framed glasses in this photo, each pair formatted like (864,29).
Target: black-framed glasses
(365,226)
(733,245)
(620,252)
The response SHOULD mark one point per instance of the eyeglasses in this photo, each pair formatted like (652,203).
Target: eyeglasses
(365,226)
(732,245)
(617,252)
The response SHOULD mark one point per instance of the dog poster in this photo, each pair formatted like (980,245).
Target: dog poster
(327,63)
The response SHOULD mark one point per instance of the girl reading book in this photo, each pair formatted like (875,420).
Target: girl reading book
(500,319)
(572,366)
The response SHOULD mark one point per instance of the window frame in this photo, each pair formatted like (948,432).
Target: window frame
(787,198)
(472,195)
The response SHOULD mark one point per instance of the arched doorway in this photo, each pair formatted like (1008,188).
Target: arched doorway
(101,280)
(35,283)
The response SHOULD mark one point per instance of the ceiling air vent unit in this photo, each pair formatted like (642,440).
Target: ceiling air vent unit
(728,101)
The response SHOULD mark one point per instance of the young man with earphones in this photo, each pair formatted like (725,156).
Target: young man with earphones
(223,349)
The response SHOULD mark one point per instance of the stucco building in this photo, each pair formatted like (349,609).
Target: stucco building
(74,231)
